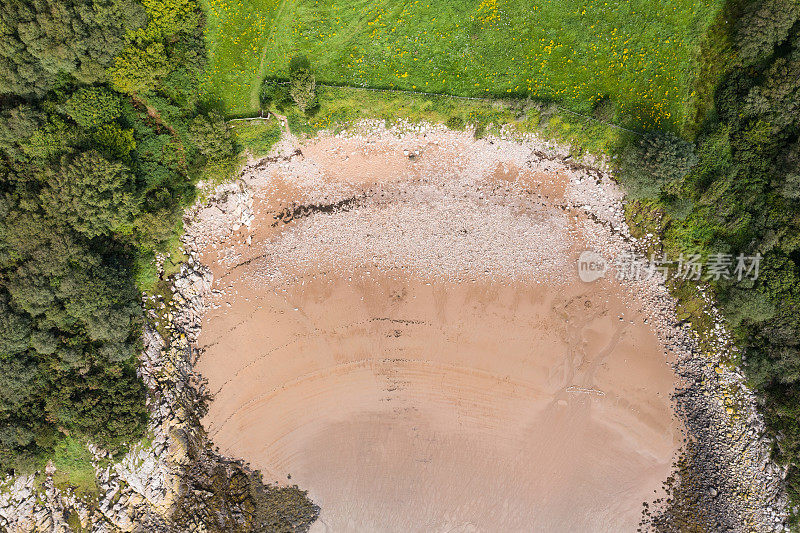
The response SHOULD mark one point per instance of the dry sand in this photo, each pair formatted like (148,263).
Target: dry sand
(424,357)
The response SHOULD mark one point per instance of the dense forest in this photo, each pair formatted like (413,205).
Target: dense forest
(738,192)
(102,138)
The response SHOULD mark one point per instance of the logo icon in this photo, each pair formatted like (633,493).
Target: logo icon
(591,266)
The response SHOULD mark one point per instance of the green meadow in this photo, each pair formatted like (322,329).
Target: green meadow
(646,56)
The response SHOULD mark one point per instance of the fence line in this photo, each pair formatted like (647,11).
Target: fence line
(268,117)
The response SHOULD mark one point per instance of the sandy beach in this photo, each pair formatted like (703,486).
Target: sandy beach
(401,330)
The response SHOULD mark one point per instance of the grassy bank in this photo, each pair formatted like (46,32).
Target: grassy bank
(342,106)
(255,138)
(73,463)
(645,56)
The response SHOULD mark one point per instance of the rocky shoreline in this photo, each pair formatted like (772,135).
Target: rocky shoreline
(725,480)
(175,481)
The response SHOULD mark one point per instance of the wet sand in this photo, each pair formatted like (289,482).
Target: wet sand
(376,356)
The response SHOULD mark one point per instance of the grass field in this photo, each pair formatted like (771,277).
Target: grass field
(645,55)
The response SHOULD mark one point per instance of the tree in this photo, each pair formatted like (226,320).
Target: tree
(654,160)
(763,25)
(302,85)
(17,124)
(140,69)
(48,141)
(744,192)
(91,194)
(92,106)
(44,39)
(76,222)
(212,136)
(791,187)
(777,99)
(749,306)
(23,428)
(169,17)
(117,141)
(15,329)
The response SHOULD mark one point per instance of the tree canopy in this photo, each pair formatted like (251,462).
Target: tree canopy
(101,140)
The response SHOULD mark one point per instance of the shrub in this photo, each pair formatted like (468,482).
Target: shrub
(546,112)
(258,137)
(678,208)
(455,123)
(275,93)
(655,159)
(283,100)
